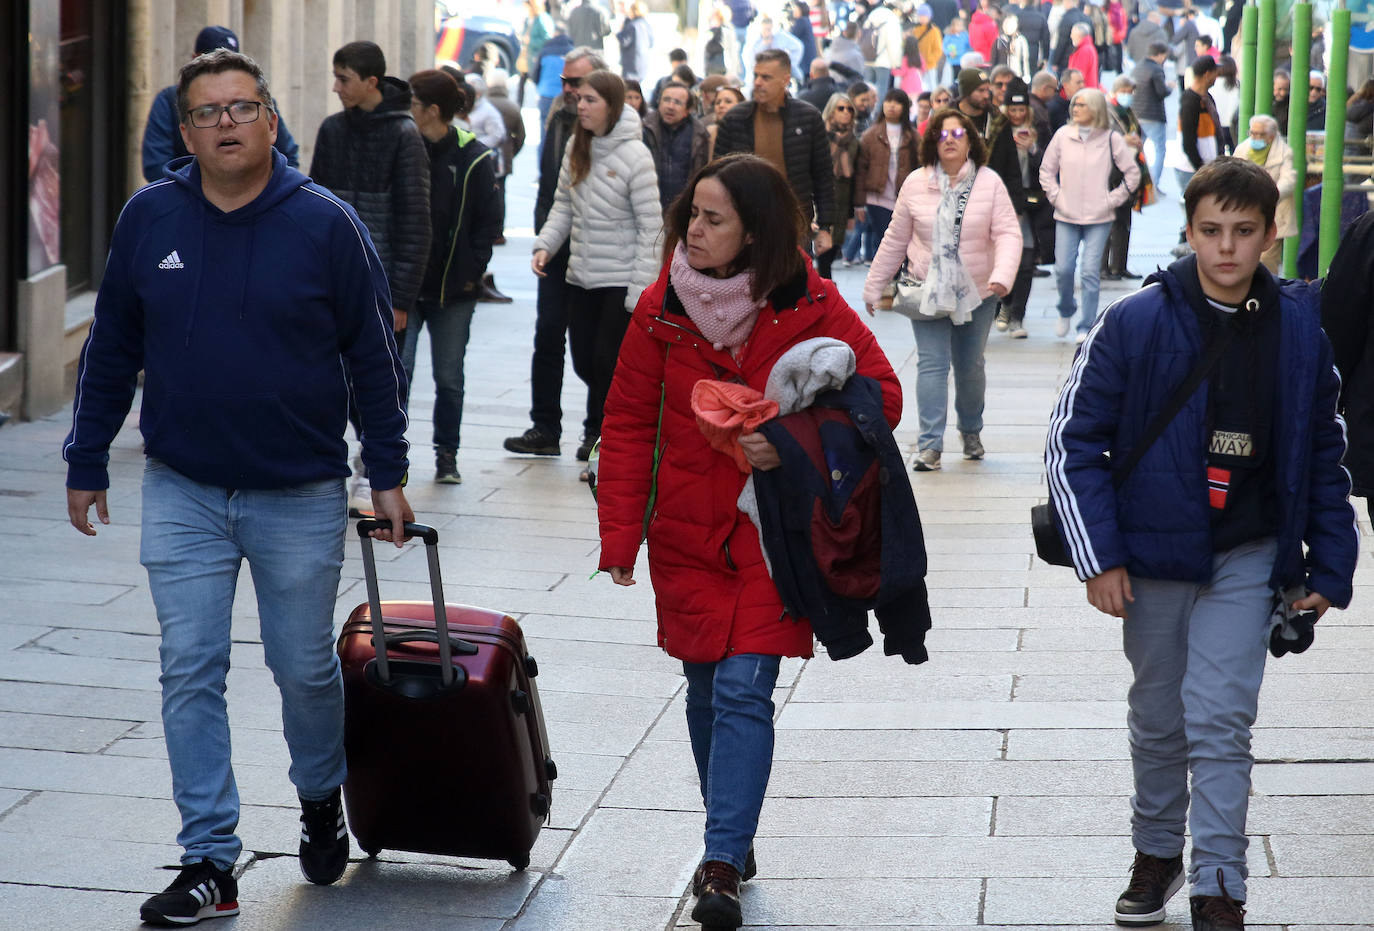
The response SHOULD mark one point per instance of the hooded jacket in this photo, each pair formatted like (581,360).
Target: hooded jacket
(376,162)
(1158,524)
(713,593)
(466,216)
(611,219)
(250,327)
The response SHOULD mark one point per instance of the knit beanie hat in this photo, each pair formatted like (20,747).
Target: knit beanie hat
(970,79)
(1017,94)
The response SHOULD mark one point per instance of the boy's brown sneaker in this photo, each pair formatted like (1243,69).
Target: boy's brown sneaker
(718,896)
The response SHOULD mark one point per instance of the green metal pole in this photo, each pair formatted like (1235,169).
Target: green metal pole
(1297,125)
(1264,63)
(1248,29)
(1333,179)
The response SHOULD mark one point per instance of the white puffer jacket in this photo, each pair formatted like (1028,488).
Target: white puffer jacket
(613,216)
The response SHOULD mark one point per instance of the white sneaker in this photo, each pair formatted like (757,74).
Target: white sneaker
(1061,326)
(927,460)
(1081,338)
(360,498)
(1018,332)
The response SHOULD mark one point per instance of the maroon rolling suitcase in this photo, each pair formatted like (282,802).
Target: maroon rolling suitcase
(447,751)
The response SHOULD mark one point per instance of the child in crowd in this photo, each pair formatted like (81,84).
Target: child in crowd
(1200,550)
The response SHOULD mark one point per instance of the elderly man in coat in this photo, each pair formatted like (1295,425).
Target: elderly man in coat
(1271,151)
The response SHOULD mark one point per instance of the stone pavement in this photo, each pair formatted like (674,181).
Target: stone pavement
(987,788)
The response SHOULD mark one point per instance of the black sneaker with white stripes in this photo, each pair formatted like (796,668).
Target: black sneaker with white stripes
(324,839)
(201,890)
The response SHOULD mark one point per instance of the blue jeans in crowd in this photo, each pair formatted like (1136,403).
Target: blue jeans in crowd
(940,344)
(195,538)
(730,722)
(875,228)
(1198,653)
(1067,238)
(449,326)
(1157,133)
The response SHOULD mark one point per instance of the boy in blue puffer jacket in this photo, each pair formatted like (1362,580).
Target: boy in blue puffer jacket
(1204,541)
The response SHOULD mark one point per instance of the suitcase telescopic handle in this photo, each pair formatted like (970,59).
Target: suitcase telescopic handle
(380,639)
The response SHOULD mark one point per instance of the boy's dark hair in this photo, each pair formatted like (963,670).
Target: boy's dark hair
(923,95)
(218,62)
(1203,64)
(930,142)
(766,206)
(777,56)
(683,74)
(363,57)
(1237,184)
(677,54)
(1157,48)
(441,89)
(857,88)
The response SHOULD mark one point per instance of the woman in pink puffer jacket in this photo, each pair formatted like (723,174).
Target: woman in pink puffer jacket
(962,287)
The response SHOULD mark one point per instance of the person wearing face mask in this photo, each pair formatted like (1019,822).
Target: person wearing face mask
(1123,121)
(1267,148)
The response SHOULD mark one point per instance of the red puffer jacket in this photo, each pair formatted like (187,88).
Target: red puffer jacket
(713,591)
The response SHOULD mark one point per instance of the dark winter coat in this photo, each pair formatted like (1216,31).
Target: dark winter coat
(561,123)
(713,592)
(819,91)
(1347,300)
(376,162)
(1158,524)
(465,211)
(805,150)
(840,524)
(654,138)
(1151,87)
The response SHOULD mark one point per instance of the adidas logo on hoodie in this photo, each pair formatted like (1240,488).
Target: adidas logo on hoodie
(172,261)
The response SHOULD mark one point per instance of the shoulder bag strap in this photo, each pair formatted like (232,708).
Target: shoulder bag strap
(1176,401)
(962,206)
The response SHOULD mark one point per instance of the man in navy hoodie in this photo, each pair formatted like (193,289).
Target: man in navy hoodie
(244,292)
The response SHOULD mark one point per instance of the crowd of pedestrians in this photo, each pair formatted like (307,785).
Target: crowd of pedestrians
(684,238)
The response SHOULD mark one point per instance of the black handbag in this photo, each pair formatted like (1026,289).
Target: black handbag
(1045,524)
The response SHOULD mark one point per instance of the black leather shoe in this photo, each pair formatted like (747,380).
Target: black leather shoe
(718,899)
(1130,275)
(489,293)
(1041,273)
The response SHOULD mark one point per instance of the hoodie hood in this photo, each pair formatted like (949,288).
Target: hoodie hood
(285,180)
(627,128)
(395,103)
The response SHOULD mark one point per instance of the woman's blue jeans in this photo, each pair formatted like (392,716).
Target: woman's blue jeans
(1067,238)
(449,326)
(879,218)
(195,537)
(730,722)
(940,344)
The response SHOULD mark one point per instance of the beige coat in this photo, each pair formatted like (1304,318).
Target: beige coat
(1279,164)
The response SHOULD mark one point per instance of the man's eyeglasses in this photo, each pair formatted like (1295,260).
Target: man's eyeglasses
(571,82)
(957,133)
(240,111)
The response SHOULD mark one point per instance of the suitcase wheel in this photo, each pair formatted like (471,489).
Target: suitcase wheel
(531,667)
(372,852)
(550,769)
(520,862)
(520,701)
(539,804)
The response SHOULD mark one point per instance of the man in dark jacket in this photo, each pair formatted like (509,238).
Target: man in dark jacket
(1151,87)
(551,313)
(1063,42)
(465,215)
(1347,299)
(372,157)
(162,140)
(677,139)
(1145,34)
(788,133)
(821,86)
(1033,25)
(238,287)
(1235,526)
(587,24)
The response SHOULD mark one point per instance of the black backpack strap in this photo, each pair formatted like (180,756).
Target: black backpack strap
(1220,339)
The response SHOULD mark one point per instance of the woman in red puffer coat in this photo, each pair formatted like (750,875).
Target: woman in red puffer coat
(734,295)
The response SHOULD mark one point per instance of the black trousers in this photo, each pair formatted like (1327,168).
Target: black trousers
(1015,302)
(1118,242)
(597,321)
(550,346)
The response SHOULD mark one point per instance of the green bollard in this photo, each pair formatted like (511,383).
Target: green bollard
(1248,23)
(1264,64)
(1297,126)
(1333,178)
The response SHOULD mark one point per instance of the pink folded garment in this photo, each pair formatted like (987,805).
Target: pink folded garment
(725,411)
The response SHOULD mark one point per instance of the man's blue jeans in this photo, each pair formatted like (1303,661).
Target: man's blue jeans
(449,326)
(730,722)
(194,539)
(1158,133)
(1198,653)
(940,344)
(879,218)
(1067,238)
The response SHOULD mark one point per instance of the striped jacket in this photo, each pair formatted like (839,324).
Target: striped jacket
(1158,524)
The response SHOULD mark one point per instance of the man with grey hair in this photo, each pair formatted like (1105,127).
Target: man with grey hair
(254,303)
(551,314)
(1268,149)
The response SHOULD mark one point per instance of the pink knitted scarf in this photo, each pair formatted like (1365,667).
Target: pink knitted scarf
(722,308)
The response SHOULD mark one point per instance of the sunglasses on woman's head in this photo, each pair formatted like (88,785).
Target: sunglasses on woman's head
(952,133)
